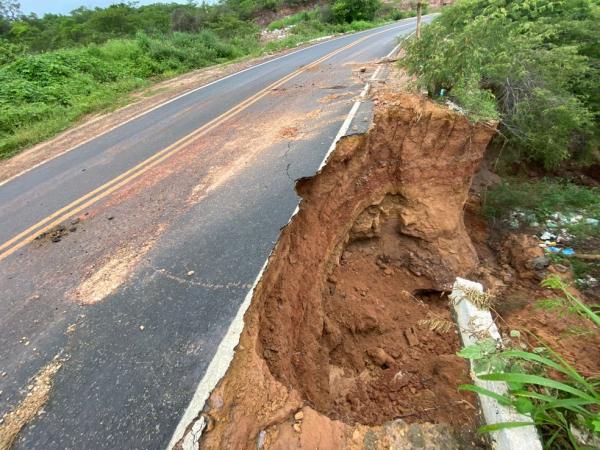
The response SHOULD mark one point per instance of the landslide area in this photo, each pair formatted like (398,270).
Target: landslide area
(337,349)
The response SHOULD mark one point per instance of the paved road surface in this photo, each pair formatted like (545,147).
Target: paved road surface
(171,216)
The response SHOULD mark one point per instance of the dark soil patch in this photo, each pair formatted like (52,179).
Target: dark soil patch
(57,233)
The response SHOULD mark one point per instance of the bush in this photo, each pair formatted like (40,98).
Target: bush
(529,62)
(10,51)
(350,10)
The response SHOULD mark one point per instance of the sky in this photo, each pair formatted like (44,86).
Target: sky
(40,7)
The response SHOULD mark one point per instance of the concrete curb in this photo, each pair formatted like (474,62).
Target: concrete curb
(476,324)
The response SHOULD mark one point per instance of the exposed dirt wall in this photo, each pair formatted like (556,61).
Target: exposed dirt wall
(334,323)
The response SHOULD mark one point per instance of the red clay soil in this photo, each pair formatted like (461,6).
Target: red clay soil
(332,354)
(373,361)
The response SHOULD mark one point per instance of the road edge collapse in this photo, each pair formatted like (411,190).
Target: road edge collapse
(191,425)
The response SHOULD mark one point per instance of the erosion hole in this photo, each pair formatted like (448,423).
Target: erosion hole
(338,320)
(368,359)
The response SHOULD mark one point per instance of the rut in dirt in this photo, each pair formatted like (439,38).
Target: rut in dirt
(380,224)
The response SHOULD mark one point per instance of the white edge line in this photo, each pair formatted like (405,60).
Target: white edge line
(396,48)
(407,36)
(160,105)
(225,351)
(217,367)
(350,117)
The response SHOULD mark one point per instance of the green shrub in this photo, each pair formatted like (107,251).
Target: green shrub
(532,63)
(351,10)
(541,197)
(302,16)
(9,51)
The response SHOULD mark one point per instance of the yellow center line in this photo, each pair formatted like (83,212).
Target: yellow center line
(68,211)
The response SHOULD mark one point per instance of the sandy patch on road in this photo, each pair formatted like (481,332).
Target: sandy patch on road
(266,132)
(36,398)
(105,278)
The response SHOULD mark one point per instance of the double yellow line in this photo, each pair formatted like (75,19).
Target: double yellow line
(75,207)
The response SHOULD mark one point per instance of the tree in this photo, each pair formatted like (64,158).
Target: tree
(10,10)
(185,19)
(419,13)
(530,63)
(116,19)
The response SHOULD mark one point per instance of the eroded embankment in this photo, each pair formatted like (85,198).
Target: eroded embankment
(335,352)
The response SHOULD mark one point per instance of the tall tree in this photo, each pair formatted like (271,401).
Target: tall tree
(10,10)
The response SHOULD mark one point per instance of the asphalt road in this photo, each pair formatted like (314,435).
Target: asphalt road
(197,222)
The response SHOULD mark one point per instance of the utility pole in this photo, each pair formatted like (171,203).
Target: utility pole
(419,8)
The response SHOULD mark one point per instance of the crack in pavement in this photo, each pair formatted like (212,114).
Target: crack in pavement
(289,164)
(201,283)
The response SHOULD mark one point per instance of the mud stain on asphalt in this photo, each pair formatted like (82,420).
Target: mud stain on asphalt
(270,130)
(289,132)
(332,97)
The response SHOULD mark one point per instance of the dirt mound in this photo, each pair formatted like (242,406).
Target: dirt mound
(337,321)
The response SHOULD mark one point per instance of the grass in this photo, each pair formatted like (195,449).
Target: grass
(44,126)
(303,16)
(543,197)
(306,31)
(539,201)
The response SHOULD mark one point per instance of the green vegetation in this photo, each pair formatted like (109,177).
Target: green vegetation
(532,64)
(43,93)
(55,69)
(345,11)
(543,198)
(558,206)
(322,21)
(562,403)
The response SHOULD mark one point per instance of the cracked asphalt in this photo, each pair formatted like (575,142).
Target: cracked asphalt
(172,254)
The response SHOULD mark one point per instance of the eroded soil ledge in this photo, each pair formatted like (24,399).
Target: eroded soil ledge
(333,354)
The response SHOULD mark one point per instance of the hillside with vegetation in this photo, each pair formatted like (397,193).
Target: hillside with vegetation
(534,65)
(56,69)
